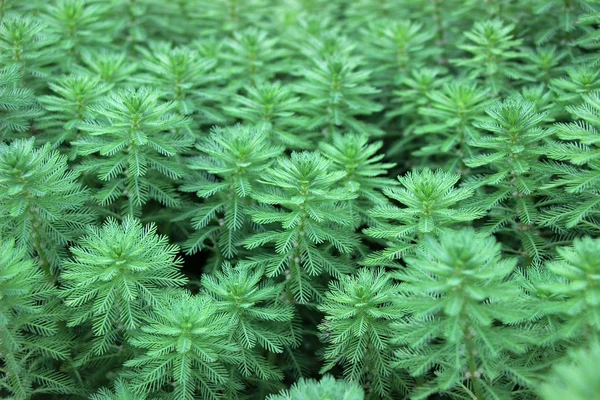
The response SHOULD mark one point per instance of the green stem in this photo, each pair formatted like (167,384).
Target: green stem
(473,367)
(38,243)
(437,16)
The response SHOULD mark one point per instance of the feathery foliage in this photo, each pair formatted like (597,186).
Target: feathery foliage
(513,199)
(260,322)
(579,146)
(428,200)
(226,199)
(184,77)
(576,378)
(359,311)
(122,392)
(578,265)
(272,107)
(235,157)
(75,96)
(448,123)
(493,54)
(326,388)
(25,46)
(184,340)
(337,92)
(30,341)
(138,141)
(116,273)
(41,201)
(311,216)
(358,158)
(17,104)
(454,289)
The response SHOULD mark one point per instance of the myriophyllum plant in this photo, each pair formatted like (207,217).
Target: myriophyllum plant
(133,146)
(310,219)
(184,350)
(514,147)
(455,290)
(331,170)
(360,160)
(261,323)
(117,272)
(429,205)
(357,330)
(229,166)
(32,345)
(41,200)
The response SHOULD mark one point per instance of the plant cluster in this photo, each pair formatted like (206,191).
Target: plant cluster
(299,199)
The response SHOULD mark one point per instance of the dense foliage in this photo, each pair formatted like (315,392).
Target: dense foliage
(299,199)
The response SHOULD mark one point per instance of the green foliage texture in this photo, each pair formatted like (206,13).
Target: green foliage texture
(299,199)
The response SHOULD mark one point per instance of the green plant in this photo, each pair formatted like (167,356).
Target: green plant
(337,93)
(454,289)
(398,48)
(261,322)
(589,41)
(42,204)
(561,17)
(184,341)
(183,77)
(312,215)
(580,80)
(263,139)
(235,157)
(576,377)
(18,106)
(25,46)
(138,142)
(326,388)
(578,265)
(253,56)
(546,63)
(358,158)
(74,98)
(134,21)
(581,178)
(428,200)
(112,68)
(412,93)
(76,26)
(31,343)
(359,311)
(116,273)
(493,54)
(122,392)
(448,126)
(272,107)
(515,146)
